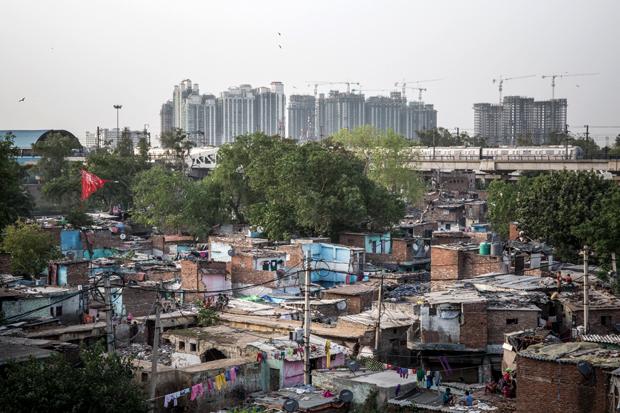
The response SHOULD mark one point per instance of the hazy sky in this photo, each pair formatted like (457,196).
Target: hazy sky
(72,60)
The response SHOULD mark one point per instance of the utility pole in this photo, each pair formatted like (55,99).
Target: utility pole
(98,132)
(307,372)
(566,139)
(155,355)
(378,323)
(586,290)
(587,135)
(109,332)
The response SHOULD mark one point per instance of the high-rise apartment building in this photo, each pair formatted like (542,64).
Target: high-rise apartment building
(270,109)
(301,111)
(417,117)
(166,115)
(237,113)
(385,113)
(340,111)
(241,110)
(519,118)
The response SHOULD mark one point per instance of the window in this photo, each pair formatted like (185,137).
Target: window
(332,357)
(192,346)
(181,345)
(58,311)
(144,377)
(512,321)
(432,311)
(606,320)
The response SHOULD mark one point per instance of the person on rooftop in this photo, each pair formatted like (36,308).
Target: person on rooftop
(447,397)
(468,399)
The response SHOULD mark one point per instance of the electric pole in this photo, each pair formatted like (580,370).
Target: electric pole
(307,372)
(586,290)
(587,134)
(109,332)
(155,355)
(378,323)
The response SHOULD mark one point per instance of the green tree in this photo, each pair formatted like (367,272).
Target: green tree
(388,159)
(179,145)
(503,199)
(171,201)
(601,229)
(15,202)
(97,383)
(311,189)
(53,151)
(30,247)
(565,209)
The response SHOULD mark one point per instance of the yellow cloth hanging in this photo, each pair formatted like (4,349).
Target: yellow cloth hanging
(328,346)
(220,382)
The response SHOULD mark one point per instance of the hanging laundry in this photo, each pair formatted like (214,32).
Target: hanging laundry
(185,391)
(172,397)
(227,375)
(233,374)
(209,384)
(197,391)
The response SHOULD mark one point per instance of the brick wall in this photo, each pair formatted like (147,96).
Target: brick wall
(443,238)
(242,272)
(159,275)
(473,331)
(444,264)
(295,254)
(402,249)
(77,273)
(497,325)
(596,317)
(190,279)
(473,264)
(513,231)
(546,386)
(139,302)
(158,242)
(353,240)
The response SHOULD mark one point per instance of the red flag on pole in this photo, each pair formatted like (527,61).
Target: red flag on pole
(90,184)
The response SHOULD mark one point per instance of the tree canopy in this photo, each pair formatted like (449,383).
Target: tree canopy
(311,189)
(174,202)
(15,202)
(30,247)
(565,209)
(387,159)
(97,383)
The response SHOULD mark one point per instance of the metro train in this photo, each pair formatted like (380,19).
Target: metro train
(549,152)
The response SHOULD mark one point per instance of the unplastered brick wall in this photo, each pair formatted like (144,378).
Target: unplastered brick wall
(550,387)
(294,254)
(473,264)
(353,240)
(505,321)
(402,249)
(473,332)
(444,264)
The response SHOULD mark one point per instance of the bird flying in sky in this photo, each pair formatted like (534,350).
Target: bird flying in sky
(22,99)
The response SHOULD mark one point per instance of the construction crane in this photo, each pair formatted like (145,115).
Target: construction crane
(316,85)
(420,90)
(500,80)
(404,83)
(371,90)
(554,76)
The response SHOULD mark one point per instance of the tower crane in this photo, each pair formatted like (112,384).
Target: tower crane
(420,90)
(316,84)
(561,75)
(500,81)
(404,83)
(370,90)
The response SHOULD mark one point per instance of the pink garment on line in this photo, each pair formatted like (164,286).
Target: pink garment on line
(197,391)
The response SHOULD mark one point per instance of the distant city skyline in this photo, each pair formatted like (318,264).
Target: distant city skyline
(71,74)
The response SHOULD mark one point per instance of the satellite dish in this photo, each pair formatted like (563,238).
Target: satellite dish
(123,236)
(346,396)
(231,252)
(290,405)
(353,365)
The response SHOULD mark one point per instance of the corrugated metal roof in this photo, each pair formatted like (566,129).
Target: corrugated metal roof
(596,338)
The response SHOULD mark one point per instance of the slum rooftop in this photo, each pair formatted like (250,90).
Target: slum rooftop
(572,353)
